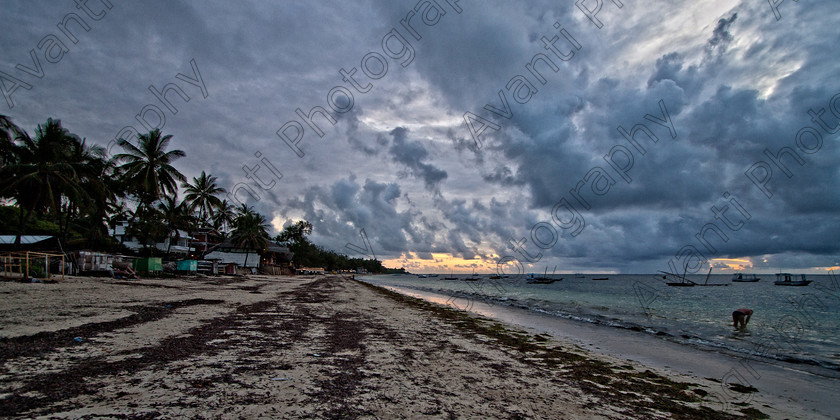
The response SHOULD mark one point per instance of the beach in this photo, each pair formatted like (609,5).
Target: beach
(315,347)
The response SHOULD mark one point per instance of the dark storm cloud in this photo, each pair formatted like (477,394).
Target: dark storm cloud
(721,37)
(403,166)
(411,154)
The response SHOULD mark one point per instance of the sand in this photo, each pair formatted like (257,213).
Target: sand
(306,347)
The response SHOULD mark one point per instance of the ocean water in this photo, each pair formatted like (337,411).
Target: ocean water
(797,325)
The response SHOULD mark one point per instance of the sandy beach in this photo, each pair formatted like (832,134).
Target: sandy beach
(309,347)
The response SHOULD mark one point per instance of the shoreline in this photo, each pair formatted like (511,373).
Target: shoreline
(467,301)
(311,347)
(791,388)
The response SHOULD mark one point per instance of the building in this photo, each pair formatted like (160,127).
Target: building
(180,241)
(273,255)
(204,239)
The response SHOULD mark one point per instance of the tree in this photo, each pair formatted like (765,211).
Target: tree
(250,232)
(296,233)
(176,217)
(45,173)
(9,132)
(149,227)
(201,195)
(244,210)
(147,168)
(225,215)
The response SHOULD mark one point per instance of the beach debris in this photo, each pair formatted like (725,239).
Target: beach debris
(316,355)
(78,339)
(281,379)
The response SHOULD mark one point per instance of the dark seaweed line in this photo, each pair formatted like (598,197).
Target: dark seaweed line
(663,393)
(70,383)
(44,342)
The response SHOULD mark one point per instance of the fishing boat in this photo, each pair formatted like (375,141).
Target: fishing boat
(545,279)
(683,282)
(580,276)
(600,278)
(433,275)
(473,277)
(745,278)
(495,277)
(786,279)
(451,277)
(706,283)
(422,276)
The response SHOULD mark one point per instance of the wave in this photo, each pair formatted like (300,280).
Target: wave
(662,332)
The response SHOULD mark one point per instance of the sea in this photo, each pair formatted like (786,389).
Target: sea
(795,325)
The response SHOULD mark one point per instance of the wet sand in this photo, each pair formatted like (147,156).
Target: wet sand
(786,390)
(307,347)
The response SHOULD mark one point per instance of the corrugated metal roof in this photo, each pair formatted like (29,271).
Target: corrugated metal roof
(24,240)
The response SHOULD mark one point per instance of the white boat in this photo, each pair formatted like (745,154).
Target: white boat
(787,279)
(745,278)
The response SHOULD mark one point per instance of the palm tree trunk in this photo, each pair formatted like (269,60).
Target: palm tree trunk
(70,209)
(25,215)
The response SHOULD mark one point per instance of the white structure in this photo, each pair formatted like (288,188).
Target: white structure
(180,242)
(227,253)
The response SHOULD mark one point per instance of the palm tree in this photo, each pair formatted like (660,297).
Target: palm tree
(148,227)
(250,232)
(244,210)
(201,194)
(147,167)
(176,217)
(9,132)
(44,173)
(225,215)
(93,173)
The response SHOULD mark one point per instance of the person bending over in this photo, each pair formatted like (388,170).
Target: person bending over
(742,317)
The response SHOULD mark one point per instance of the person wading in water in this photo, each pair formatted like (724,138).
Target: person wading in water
(739,315)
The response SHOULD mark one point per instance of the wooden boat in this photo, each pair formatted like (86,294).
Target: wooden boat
(684,282)
(473,277)
(713,284)
(545,279)
(786,279)
(744,278)
(600,278)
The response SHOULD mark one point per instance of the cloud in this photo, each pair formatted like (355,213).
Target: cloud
(412,154)
(402,164)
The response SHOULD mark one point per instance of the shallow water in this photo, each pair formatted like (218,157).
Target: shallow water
(794,324)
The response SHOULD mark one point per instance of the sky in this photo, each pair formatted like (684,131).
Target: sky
(459,136)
